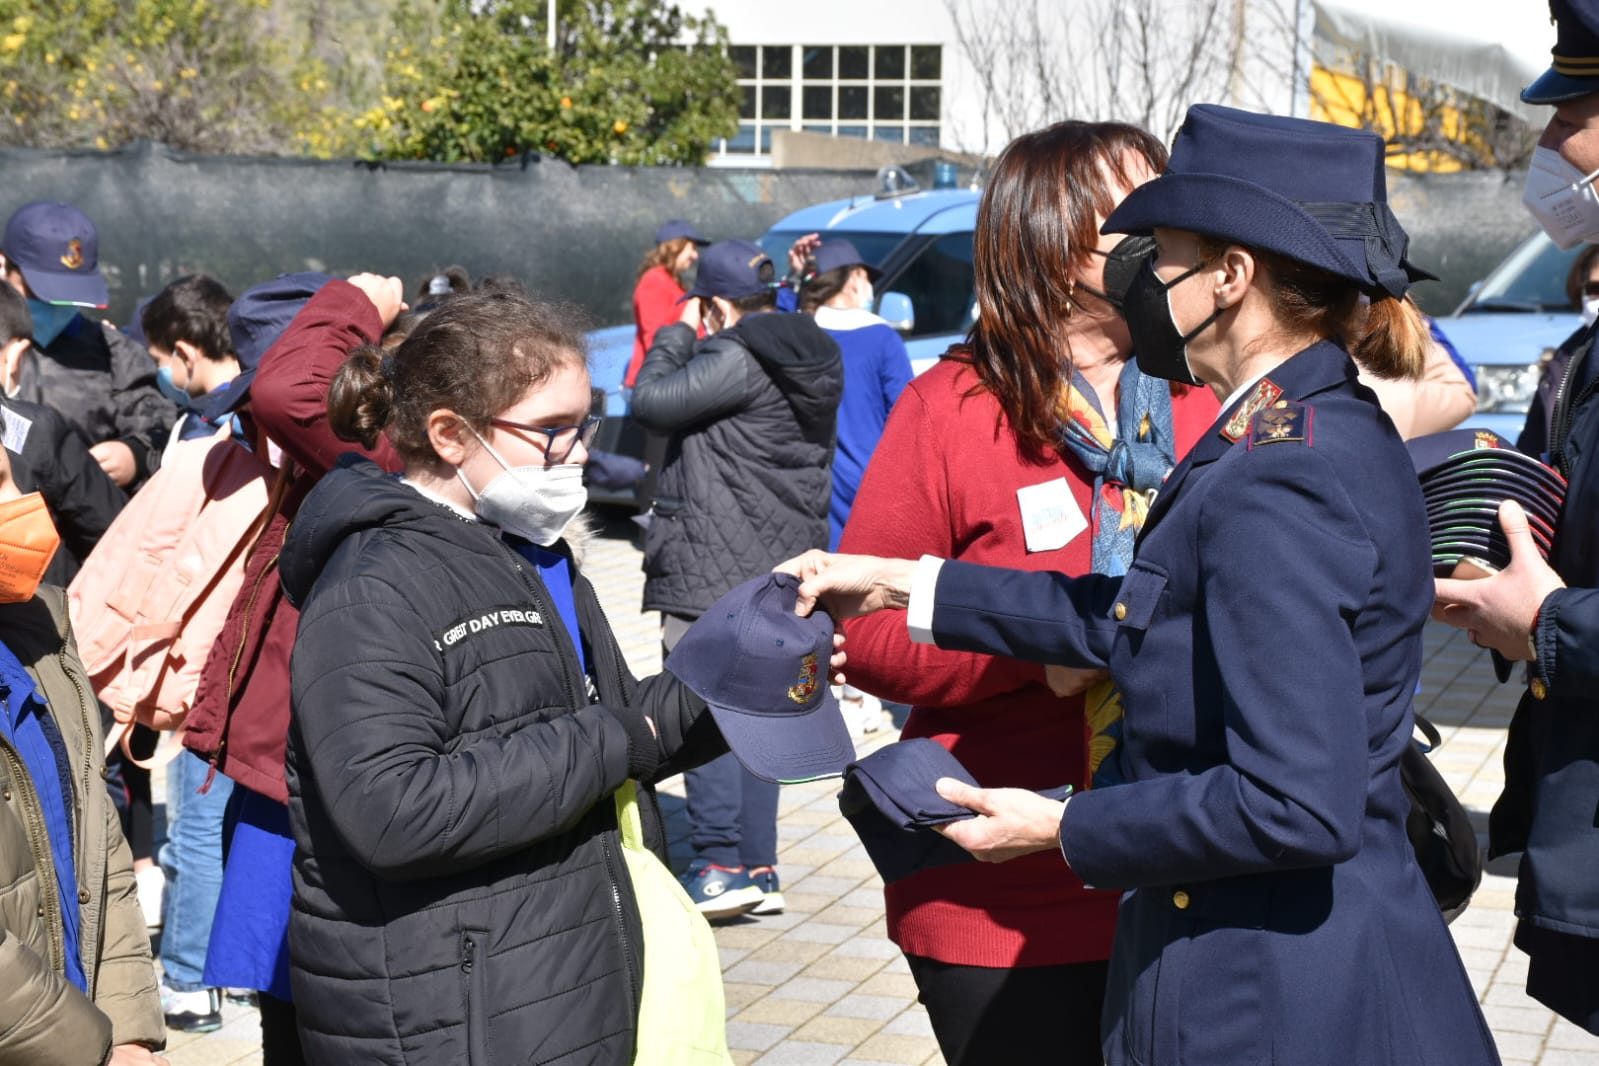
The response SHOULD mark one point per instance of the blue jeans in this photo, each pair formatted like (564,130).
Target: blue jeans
(192,860)
(732,814)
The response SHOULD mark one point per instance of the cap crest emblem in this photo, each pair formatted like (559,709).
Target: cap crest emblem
(803,689)
(73,260)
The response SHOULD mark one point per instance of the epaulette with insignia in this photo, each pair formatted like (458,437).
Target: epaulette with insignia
(1285,420)
(1263,394)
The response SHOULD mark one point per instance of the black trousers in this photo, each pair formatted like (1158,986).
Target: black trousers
(1033,1014)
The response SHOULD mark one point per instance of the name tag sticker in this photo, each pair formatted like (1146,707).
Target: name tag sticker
(1050,515)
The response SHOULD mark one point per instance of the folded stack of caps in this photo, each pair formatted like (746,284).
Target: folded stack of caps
(1465,475)
(890,799)
(763,671)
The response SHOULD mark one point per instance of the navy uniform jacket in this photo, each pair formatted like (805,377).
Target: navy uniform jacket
(1268,642)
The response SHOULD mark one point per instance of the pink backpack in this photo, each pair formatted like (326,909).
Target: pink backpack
(153,595)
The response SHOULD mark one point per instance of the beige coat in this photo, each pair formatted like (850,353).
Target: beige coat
(1440,400)
(44,1020)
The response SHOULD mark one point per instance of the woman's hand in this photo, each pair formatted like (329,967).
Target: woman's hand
(1499,611)
(849,586)
(802,249)
(1068,681)
(836,663)
(387,295)
(1010,822)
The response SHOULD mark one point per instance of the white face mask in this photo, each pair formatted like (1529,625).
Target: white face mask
(1590,310)
(867,296)
(534,502)
(1562,199)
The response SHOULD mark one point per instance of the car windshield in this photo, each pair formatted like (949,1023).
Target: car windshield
(874,247)
(1532,278)
(939,282)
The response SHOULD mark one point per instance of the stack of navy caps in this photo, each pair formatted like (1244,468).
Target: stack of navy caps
(763,671)
(1465,475)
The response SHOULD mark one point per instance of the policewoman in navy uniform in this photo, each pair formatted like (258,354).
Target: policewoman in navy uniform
(1268,637)
(1547,615)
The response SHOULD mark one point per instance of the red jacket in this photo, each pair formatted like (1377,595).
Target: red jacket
(655,304)
(240,718)
(943,481)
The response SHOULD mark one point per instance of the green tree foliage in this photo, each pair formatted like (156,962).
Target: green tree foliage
(630,81)
(201,75)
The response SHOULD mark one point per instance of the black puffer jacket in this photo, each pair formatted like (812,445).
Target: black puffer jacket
(459,891)
(752,413)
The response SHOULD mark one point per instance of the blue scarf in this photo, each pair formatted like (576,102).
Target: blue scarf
(1127,466)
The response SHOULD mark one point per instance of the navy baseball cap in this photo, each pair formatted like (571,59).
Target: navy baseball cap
(57,249)
(763,671)
(733,270)
(673,228)
(890,799)
(837,253)
(255,322)
(1574,60)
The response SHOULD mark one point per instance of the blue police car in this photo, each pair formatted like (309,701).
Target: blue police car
(920,240)
(1506,324)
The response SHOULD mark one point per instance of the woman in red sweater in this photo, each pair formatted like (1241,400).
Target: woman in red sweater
(1035,445)
(659,290)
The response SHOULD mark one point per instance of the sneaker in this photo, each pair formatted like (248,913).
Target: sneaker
(242,997)
(721,891)
(862,712)
(151,884)
(192,1012)
(765,877)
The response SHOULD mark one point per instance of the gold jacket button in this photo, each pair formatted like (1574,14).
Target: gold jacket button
(1120,611)
(1180,900)
(83,895)
(1538,689)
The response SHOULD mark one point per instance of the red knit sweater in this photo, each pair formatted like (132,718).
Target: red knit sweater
(943,482)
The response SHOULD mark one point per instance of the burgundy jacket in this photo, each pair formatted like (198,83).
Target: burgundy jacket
(240,718)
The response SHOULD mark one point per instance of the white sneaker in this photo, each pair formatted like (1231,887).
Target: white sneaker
(152,886)
(863,712)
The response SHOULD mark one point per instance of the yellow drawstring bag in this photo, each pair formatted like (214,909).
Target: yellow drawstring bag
(682,1017)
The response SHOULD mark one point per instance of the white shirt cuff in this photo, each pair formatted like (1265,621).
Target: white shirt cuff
(924,588)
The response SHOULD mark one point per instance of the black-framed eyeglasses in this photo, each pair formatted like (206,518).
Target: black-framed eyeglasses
(558,440)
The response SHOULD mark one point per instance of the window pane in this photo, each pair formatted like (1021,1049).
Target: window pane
(818,62)
(889,133)
(776,101)
(777,61)
(890,101)
(926,62)
(890,62)
(746,106)
(745,141)
(852,131)
(818,101)
(766,139)
(852,63)
(851,101)
(925,135)
(820,128)
(743,57)
(924,102)
(939,283)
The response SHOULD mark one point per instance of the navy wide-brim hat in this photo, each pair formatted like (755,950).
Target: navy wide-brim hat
(1308,191)
(255,321)
(1574,60)
(763,671)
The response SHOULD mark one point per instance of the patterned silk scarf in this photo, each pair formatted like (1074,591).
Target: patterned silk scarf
(1127,465)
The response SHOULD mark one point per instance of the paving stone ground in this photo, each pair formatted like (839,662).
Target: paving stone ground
(821,984)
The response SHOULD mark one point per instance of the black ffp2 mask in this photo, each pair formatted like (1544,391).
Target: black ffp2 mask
(1121,265)
(1159,346)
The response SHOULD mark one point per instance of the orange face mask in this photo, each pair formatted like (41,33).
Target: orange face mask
(28,541)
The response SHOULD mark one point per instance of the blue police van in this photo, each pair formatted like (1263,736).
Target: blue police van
(920,240)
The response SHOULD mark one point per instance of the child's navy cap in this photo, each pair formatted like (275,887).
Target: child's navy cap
(763,671)
(673,228)
(57,249)
(255,322)
(733,270)
(836,253)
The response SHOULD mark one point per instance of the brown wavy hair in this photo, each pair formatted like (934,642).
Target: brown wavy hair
(1036,228)
(663,255)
